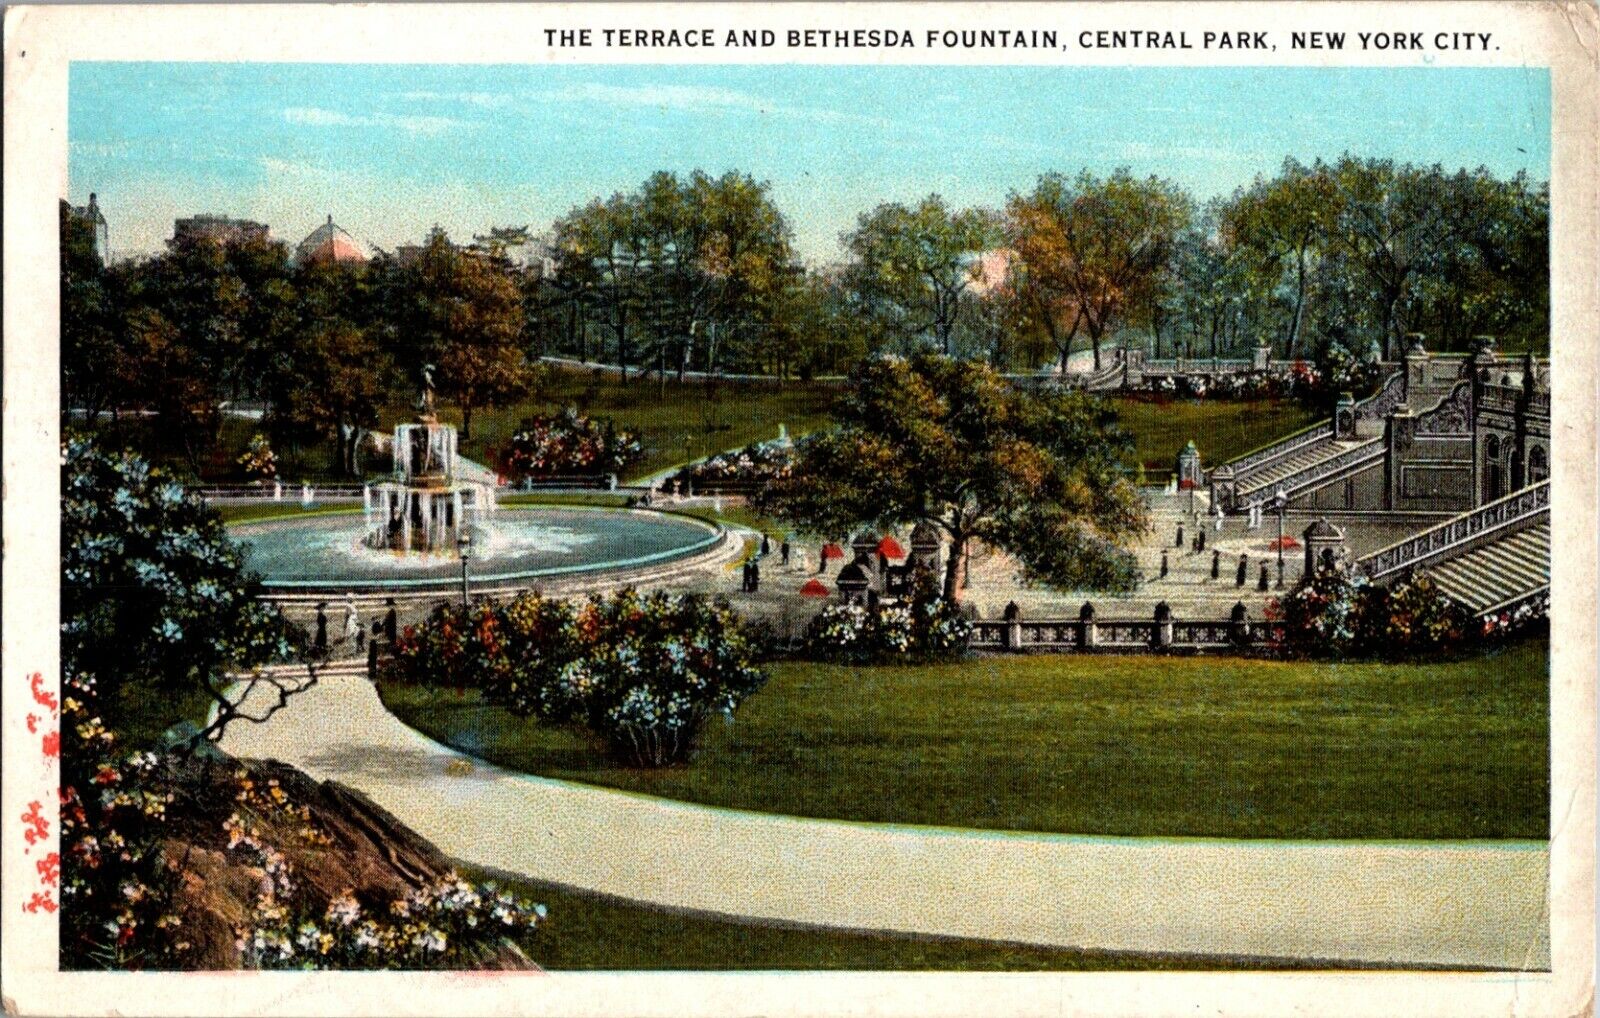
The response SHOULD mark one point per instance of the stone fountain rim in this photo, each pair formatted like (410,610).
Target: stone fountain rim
(716,534)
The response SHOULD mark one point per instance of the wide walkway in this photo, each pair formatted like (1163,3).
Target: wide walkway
(1457,904)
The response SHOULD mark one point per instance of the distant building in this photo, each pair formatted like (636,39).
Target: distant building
(329,243)
(92,219)
(218,229)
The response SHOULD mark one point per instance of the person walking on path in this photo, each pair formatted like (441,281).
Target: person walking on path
(783,550)
(1244,564)
(1179,544)
(1264,582)
(320,641)
(1216,563)
(391,625)
(766,545)
(755,576)
(1163,563)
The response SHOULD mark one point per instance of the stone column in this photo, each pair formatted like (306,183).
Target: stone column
(1163,625)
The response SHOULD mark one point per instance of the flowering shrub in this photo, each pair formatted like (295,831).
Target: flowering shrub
(153,592)
(642,672)
(568,443)
(1333,615)
(760,461)
(1300,380)
(447,924)
(923,629)
(116,886)
(1526,617)
(258,461)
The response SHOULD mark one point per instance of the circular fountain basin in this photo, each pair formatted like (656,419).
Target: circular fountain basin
(326,552)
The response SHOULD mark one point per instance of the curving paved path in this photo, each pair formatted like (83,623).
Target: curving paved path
(1456,904)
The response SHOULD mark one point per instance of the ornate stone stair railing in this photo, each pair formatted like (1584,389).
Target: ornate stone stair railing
(1316,473)
(1506,515)
(1279,450)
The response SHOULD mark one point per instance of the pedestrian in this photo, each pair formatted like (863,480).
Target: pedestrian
(320,643)
(1216,563)
(1200,539)
(766,545)
(372,660)
(1180,536)
(390,622)
(755,577)
(1263,583)
(783,551)
(1163,563)
(352,623)
(1244,563)
(744,574)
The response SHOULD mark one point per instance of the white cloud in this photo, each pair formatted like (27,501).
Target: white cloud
(316,116)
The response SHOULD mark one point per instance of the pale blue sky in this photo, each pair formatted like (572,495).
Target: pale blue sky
(390,150)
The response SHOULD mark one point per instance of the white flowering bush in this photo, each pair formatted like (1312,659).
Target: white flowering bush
(643,672)
(450,923)
(924,628)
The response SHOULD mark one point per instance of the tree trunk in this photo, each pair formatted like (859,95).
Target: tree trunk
(953,569)
(466,422)
(338,444)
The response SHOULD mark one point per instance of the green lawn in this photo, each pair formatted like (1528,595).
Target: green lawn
(1137,745)
(590,931)
(1221,430)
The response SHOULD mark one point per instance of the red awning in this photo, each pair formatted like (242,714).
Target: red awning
(814,588)
(831,550)
(890,548)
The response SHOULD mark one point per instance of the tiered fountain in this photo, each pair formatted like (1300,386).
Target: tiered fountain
(424,509)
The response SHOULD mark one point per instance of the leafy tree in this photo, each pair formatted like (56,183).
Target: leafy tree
(1092,248)
(913,266)
(465,316)
(950,443)
(154,597)
(1281,226)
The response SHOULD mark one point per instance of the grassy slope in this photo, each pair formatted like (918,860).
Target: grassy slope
(587,931)
(1105,745)
(687,421)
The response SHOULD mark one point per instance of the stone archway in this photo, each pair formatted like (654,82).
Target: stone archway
(1538,464)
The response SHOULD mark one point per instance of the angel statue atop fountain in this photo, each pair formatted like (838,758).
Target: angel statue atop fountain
(425,401)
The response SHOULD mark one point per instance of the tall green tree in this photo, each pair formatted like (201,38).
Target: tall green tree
(1281,228)
(913,265)
(951,443)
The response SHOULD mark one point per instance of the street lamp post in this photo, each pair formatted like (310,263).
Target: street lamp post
(464,546)
(1282,502)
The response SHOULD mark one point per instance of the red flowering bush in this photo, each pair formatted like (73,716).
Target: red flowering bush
(568,443)
(1336,615)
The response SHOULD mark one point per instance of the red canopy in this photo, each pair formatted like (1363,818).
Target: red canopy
(814,588)
(831,550)
(890,548)
(1286,541)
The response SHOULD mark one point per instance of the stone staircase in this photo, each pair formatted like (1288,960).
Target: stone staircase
(1495,575)
(1264,480)
(1487,559)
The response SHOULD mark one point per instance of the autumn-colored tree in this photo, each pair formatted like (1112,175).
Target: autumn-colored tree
(951,443)
(1090,248)
(466,318)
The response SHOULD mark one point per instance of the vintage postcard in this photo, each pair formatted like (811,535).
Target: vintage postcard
(801,509)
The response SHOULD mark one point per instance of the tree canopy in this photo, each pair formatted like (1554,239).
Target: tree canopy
(931,439)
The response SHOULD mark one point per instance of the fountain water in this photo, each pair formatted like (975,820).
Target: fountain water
(424,508)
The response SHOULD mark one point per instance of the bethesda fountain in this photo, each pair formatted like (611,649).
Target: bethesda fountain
(414,530)
(425,508)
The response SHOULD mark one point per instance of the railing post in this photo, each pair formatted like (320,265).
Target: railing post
(1088,637)
(1239,625)
(1013,631)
